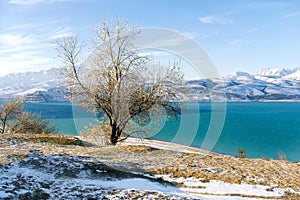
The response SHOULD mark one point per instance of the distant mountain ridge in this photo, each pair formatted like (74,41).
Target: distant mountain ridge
(42,86)
(270,84)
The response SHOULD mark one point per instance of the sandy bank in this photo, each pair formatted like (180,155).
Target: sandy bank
(166,146)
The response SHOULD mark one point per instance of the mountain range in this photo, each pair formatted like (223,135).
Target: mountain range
(42,86)
(270,84)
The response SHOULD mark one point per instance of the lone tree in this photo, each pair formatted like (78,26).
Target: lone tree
(116,81)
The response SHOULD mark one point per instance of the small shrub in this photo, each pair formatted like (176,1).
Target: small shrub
(242,153)
(281,156)
(264,158)
(205,180)
(31,123)
(98,134)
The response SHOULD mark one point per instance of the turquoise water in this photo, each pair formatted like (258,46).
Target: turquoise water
(262,129)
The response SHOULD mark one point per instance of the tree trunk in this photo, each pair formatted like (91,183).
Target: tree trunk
(116,133)
(4,125)
(114,136)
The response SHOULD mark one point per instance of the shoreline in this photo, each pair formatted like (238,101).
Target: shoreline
(170,146)
(228,101)
(163,145)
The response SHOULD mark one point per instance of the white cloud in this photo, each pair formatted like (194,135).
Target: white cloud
(18,43)
(192,35)
(21,26)
(61,32)
(15,39)
(35,25)
(23,64)
(214,19)
(26,2)
(21,52)
(236,42)
(293,14)
(34,2)
(208,20)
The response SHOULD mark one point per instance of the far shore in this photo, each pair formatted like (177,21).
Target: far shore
(228,101)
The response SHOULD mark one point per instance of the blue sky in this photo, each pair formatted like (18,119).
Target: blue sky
(238,35)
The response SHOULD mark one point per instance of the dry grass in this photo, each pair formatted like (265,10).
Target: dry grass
(291,196)
(234,170)
(47,138)
(137,148)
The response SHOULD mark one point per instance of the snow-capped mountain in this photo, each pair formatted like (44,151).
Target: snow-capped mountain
(56,94)
(28,82)
(268,84)
(34,86)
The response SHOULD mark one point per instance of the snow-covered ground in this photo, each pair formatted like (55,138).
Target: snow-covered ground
(71,177)
(78,177)
(197,186)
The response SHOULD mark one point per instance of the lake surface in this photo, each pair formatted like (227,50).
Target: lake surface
(261,129)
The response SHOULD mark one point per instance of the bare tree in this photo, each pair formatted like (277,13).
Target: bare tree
(9,110)
(117,81)
(14,119)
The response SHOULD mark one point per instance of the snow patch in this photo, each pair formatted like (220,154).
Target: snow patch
(213,187)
